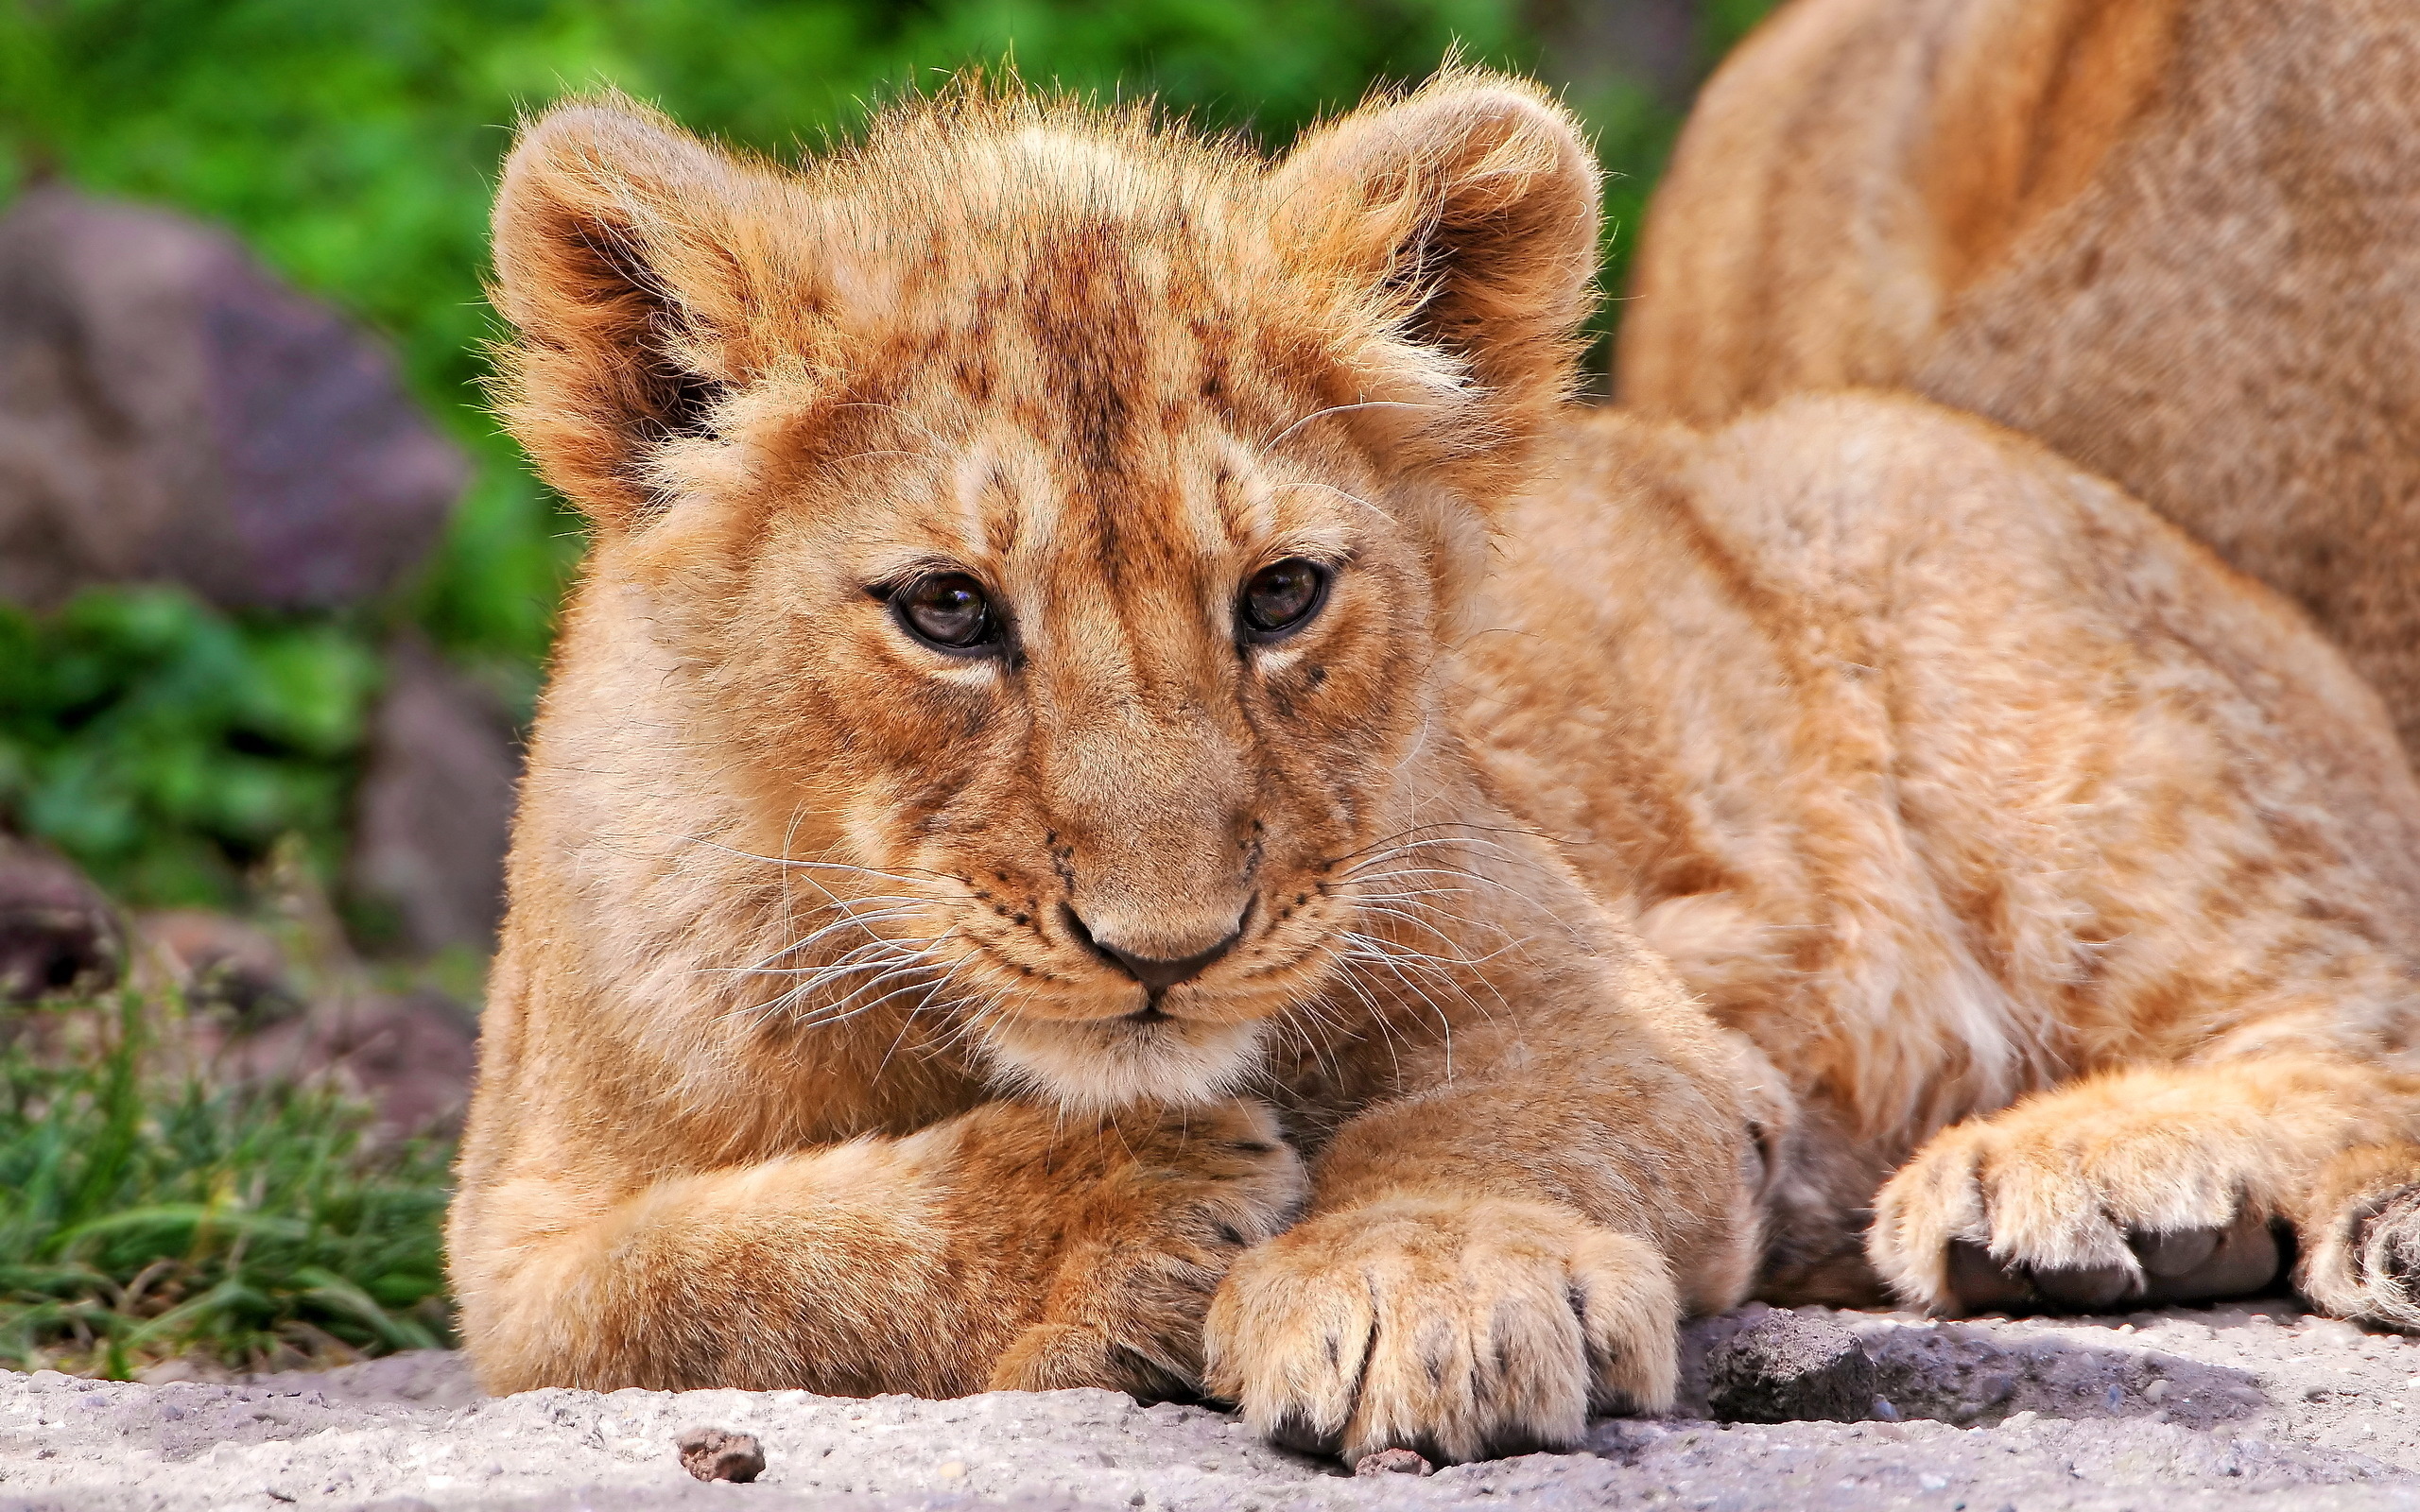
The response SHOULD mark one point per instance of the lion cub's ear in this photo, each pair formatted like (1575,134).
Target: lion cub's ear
(1468,212)
(636,262)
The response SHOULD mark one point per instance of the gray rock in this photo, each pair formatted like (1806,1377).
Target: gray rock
(2317,1418)
(170,411)
(1787,1368)
(1392,1462)
(57,934)
(410,1054)
(718,1454)
(221,962)
(435,808)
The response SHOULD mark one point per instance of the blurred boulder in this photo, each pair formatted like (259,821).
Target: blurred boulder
(170,410)
(408,1055)
(435,807)
(222,962)
(1595,47)
(57,934)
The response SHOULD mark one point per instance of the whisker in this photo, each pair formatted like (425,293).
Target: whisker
(1344,494)
(1279,439)
(1442,824)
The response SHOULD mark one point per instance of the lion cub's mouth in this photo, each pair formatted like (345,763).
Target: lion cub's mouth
(1149,1055)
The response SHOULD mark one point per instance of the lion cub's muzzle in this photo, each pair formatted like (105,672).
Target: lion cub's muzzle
(1156,971)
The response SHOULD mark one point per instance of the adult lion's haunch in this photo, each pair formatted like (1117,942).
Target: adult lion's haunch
(1107,773)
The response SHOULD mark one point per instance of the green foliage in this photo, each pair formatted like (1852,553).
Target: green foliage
(164,746)
(144,1215)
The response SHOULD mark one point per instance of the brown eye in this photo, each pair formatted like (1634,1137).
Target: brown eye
(947,612)
(1283,596)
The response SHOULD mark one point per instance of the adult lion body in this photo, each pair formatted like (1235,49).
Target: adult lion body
(1052,857)
(2179,240)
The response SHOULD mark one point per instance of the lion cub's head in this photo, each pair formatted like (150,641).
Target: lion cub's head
(1050,519)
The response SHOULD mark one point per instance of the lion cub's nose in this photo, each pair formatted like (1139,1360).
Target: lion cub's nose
(1156,972)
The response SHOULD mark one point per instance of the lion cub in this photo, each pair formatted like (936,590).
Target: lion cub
(2179,240)
(1106,777)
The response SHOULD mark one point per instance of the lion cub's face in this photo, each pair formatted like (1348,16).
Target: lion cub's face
(1053,521)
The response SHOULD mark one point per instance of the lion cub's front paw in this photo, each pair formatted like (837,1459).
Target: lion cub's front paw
(1149,1243)
(2361,1237)
(2082,1200)
(1458,1329)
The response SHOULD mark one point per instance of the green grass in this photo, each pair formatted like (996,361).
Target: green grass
(146,1215)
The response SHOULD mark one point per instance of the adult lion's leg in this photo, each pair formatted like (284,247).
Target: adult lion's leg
(1006,1247)
(1490,1257)
(2163,1185)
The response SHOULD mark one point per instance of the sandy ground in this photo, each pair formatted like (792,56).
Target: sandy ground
(2245,1406)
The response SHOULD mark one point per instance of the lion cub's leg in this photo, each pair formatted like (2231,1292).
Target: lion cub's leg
(1004,1248)
(2161,1185)
(1511,1245)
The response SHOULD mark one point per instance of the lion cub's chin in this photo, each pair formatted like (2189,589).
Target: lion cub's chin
(1100,1065)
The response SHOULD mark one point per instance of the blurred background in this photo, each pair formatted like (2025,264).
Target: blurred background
(275,595)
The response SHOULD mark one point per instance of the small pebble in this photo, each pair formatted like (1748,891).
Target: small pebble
(1393,1462)
(718,1454)
(1787,1366)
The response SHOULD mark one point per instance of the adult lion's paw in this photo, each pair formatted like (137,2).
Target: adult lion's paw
(2081,1200)
(1149,1244)
(1458,1329)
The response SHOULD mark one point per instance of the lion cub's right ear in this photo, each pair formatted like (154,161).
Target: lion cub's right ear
(636,262)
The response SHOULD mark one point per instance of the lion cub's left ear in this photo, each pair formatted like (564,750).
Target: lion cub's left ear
(1465,214)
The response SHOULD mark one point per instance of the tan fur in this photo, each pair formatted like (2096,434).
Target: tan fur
(1948,774)
(1943,774)
(2179,240)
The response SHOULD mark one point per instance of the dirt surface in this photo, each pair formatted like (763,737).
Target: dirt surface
(2237,1407)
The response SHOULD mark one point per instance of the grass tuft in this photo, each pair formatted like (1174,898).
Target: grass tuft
(147,1216)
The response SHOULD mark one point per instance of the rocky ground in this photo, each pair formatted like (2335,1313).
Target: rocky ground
(2243,1406)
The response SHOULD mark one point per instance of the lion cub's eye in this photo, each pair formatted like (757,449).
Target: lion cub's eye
(1283,596)
(947,612)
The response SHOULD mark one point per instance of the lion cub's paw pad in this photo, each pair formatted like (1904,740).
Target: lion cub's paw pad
(1458,1330)
(2082,1201)
(2181,1266)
